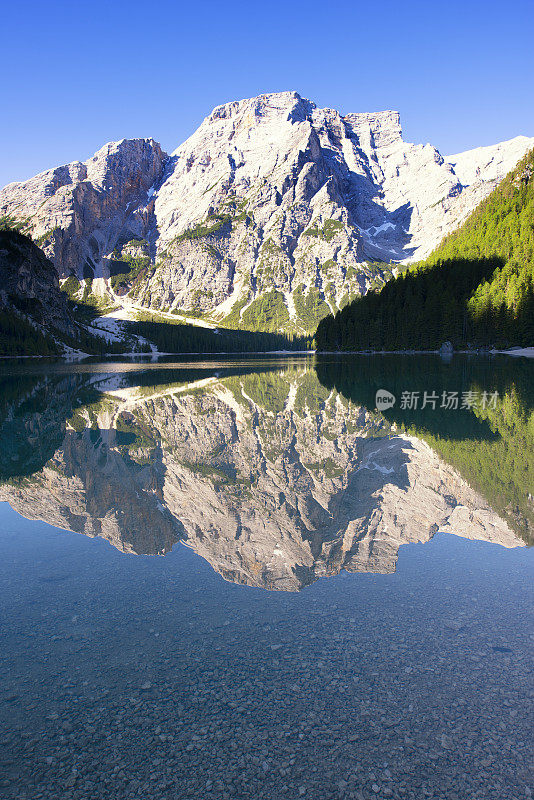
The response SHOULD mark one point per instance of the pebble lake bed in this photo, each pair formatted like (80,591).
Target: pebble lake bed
(140,677)
(136,669)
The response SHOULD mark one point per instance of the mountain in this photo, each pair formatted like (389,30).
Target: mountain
(75,212)
(271,477)
(271,215)
(38,319)
(35,318)
(475,290)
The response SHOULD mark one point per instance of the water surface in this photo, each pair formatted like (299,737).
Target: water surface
(238,579)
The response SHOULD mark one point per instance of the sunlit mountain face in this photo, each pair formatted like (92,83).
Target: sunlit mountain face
(277,472)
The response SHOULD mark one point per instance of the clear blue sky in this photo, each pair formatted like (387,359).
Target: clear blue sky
(77,74)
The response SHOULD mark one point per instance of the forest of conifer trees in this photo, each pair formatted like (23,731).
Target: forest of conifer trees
(476,289)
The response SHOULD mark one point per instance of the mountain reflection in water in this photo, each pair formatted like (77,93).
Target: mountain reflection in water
(275,473)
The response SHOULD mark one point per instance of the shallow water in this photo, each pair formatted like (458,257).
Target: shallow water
(341,607)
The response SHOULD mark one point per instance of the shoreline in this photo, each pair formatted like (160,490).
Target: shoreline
(154,356)
(516,352)
(525,352)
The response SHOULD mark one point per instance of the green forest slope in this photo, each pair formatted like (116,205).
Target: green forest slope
(476,289)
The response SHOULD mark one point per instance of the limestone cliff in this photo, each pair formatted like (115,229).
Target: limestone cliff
(271,214)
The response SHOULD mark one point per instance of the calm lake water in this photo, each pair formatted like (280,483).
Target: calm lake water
(241,579)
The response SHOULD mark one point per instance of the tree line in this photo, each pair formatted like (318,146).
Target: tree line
(475,290)
(171,337)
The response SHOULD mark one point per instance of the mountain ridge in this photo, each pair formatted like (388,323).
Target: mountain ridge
(475,290)
(272,214)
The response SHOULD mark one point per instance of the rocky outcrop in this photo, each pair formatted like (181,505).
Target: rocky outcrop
(29,285)
(271,478)
(273,213)
(78,212)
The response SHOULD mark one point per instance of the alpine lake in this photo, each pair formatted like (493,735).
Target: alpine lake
(238,578)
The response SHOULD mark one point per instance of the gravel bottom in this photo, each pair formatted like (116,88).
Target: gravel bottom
(130,677)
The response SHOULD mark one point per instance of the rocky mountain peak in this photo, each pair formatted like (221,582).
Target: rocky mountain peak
(76,212)
(136,161)
(272,214)
(379,129)
(265,105)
